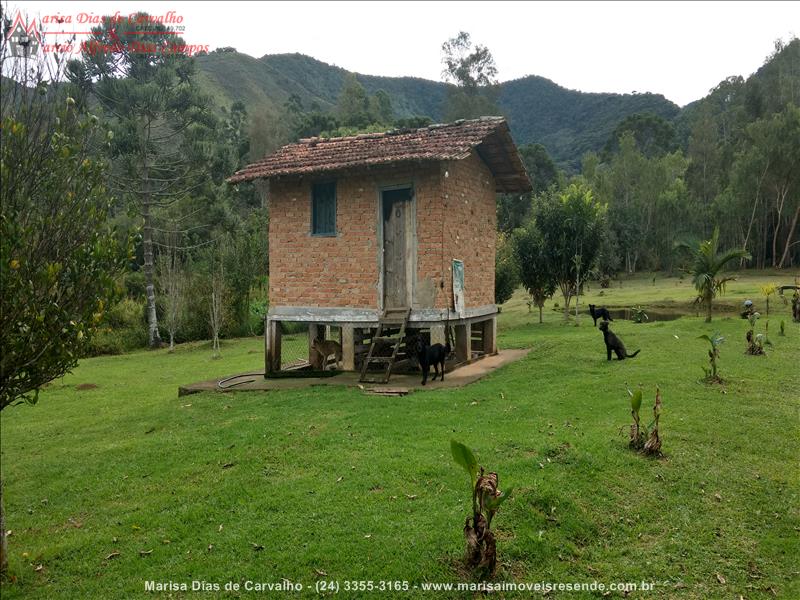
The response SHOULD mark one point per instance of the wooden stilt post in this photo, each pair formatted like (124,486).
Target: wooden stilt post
(463,351)
(490,336)
(272,346)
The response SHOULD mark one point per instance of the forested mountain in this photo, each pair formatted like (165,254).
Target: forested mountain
(268,82)
(567,122)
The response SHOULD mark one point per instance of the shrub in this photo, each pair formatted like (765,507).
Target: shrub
(639,315)
(123,329)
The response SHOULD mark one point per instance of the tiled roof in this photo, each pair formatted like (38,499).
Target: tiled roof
(489,136)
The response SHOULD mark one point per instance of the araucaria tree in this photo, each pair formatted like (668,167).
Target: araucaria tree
(572,224)
(707,264)
(157,115)
(59,260)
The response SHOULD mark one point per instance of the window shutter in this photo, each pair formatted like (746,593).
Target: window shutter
(323,209)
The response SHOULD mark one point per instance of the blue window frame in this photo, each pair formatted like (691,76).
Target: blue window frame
(323,208)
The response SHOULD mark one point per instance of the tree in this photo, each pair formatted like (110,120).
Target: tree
(172,279)
(158,115)
(380,108)
(352,106)
(473,72)
(217,292)
(536,272)
(572,225)
(654,135)
(59,259)
(513,210)
(506,270)
(707,263)
(541,168)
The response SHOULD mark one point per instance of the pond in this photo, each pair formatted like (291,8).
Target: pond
(666,314)
(627,314)
(663,314)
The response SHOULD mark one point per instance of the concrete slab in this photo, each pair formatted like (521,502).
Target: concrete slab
(398,384)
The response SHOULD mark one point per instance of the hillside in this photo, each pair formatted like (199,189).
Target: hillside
(567,122)
(570,123)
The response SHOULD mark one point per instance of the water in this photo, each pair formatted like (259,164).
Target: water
(663,314)
(627,314)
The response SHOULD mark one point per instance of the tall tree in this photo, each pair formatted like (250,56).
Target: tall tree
(380,108)
(352,106)
(147,90)
(473,72)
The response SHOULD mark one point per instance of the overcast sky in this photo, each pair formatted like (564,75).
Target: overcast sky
(678,49)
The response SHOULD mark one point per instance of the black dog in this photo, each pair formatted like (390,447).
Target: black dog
(432,355)
(599,312)
(614,343)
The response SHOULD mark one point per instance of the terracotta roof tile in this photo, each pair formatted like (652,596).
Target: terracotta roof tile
(453,141)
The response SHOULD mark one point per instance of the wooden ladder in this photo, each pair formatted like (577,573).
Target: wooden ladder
(392,317)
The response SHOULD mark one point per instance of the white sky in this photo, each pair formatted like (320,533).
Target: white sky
(678,49)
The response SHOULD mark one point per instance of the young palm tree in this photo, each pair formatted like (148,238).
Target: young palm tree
(707,263)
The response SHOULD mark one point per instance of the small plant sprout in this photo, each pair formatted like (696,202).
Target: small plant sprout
(486,501)
(639,316)
(783,328)
(714,341)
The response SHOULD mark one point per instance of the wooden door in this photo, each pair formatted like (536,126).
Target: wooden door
(396,213)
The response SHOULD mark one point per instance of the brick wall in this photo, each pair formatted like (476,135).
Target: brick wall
(342,271)
(470,202)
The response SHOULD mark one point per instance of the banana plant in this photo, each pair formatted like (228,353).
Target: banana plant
(486,501)
(715,341)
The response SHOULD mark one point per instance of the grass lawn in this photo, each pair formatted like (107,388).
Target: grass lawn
(106,488)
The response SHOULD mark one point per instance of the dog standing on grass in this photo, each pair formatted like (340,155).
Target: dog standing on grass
(434,355)
(614,344)
(598,313)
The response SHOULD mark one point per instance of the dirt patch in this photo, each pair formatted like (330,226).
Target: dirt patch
(86,386)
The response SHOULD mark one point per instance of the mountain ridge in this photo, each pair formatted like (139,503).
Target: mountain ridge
(567,122)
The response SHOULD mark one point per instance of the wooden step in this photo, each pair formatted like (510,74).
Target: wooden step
(380,359)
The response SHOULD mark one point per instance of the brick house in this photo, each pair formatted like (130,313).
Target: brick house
(364,225)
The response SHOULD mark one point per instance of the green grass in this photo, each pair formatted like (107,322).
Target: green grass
(358,487)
